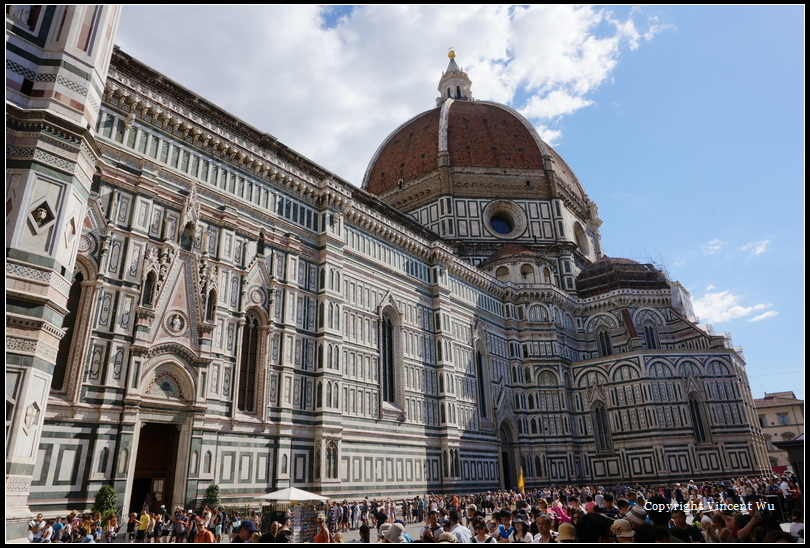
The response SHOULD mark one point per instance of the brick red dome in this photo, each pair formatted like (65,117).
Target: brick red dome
(470,134)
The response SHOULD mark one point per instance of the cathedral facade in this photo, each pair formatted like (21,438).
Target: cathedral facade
(192,302)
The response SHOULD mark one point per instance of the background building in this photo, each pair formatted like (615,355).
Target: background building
(781,417)
(191,302)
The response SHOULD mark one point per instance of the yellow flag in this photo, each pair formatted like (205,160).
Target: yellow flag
(521,481)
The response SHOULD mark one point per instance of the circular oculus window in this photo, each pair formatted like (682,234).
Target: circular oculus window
(502,223)
(505,219)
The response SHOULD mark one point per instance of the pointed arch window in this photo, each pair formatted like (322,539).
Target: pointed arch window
(248,364)
(604,344)
(387,354)
(69,324)
(696,414)
(331,460)
(211,306)
(601,427)
(103,459)
(651,336)
(149,287)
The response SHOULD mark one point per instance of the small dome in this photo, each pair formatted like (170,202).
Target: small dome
(507,251)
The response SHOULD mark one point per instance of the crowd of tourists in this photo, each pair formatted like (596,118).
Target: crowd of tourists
(739,510)
(209,525)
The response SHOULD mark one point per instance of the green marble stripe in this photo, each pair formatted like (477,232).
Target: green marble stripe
(19,469)
(34,259)
(29,361)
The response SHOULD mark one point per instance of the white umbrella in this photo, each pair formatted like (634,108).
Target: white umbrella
(292,494)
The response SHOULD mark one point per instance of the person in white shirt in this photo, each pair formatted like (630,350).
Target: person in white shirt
(47,533)
(462,533)
(545,534)
(797,525)
(521,532)
(36,528)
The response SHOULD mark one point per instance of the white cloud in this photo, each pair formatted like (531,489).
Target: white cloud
(756,248)
(765,316)
(723,306)
(712,247)
(556,103)
(334,91)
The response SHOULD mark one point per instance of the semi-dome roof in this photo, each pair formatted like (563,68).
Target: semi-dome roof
(467,134)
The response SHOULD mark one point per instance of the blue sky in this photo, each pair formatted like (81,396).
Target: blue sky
(685,124)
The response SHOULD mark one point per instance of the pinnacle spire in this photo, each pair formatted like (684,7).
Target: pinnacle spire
(454,83)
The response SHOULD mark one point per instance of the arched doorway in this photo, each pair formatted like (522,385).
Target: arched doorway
(506,436)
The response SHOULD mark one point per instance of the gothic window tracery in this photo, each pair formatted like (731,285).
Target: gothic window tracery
(651,341)
(601,427)
(248,363)
(604,343)
(387,353)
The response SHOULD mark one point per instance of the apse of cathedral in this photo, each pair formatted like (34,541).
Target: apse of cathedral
(190,302)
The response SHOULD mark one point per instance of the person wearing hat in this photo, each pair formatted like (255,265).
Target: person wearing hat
(447,538)
(395,533)
(567,533)
(131,525)
(623,530)
(284,534)
(246,528)
(637,516)
(408,538)
(382,531)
